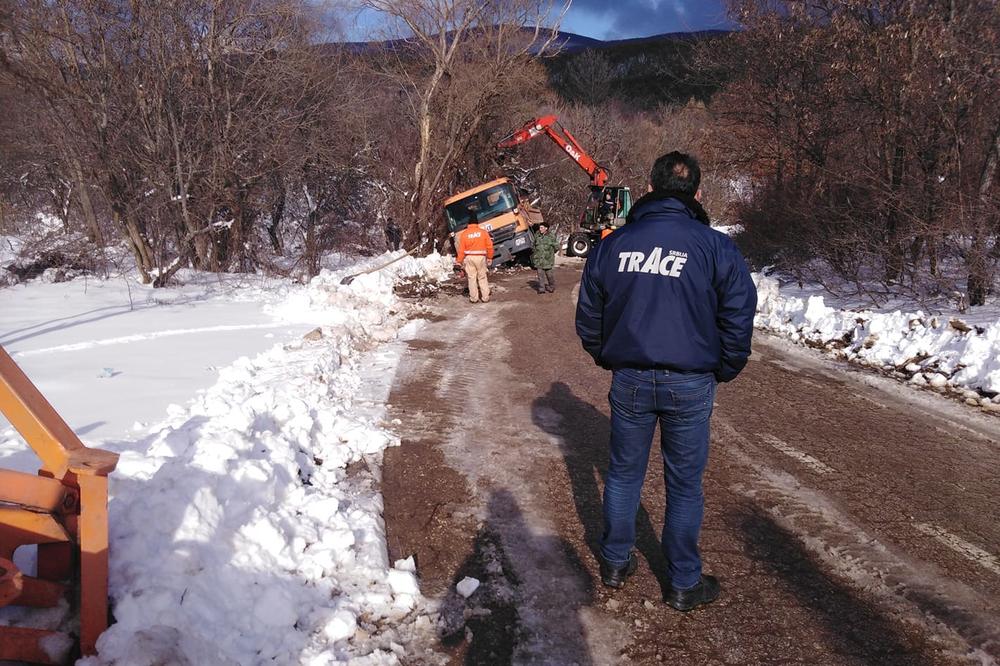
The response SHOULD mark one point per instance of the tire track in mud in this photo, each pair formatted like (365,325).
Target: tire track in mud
(505,430)
(903,459)
(957,615)
(863,520)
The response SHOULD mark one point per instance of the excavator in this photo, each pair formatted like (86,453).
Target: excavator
(607,206)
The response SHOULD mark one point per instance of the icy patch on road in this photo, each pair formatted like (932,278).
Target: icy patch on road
(247,527)
(934,351)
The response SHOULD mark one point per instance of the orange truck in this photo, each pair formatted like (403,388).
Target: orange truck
(500,211)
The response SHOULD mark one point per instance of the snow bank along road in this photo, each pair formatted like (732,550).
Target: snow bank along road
(246,527)
(850,521)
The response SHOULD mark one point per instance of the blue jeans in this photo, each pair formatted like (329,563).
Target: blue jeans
(683,405)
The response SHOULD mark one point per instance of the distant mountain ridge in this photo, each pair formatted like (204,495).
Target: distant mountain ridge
(576,42)
(568,42)
(643,72)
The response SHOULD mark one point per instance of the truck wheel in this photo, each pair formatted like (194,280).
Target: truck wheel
(579,245)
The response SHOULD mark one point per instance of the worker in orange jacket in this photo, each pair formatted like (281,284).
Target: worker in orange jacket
(474,249)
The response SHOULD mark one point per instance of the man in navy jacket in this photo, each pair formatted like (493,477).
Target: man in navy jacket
(666,303)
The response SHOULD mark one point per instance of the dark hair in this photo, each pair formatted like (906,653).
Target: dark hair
(473,218)
(676,172)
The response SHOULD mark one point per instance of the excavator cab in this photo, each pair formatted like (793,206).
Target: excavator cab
(607,206)
(607,209)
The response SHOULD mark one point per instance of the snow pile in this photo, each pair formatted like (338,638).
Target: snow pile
(317,303)
(936,350)
(109,353)
(247,527)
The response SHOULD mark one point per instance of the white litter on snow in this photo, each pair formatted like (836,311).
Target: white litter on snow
(246,528)
(936,350)
(467,586)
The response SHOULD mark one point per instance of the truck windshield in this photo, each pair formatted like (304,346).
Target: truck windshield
(486,204)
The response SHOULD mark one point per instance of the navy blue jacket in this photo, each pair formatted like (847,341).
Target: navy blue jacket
(668,292)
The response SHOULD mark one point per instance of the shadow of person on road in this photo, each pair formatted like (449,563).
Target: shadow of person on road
(583,432)
(527,618)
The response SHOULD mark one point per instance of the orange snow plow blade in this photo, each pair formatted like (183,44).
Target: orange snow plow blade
(64,511)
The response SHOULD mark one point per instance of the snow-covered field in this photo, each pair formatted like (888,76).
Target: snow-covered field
(246,525)
(947,350)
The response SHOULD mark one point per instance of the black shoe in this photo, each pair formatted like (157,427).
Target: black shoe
(615,577)
(550,289)
(705,592)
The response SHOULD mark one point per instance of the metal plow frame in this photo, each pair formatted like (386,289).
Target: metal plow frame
(64,511)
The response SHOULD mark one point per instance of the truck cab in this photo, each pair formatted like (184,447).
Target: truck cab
(498,210)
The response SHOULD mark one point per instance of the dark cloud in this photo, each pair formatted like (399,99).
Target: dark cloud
(640,18)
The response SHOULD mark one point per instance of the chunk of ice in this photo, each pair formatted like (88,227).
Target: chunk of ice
(467,586)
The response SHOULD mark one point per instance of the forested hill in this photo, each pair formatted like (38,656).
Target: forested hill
(573,43)
(644,73)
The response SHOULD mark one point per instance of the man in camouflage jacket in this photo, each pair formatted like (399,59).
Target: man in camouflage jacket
(543,258)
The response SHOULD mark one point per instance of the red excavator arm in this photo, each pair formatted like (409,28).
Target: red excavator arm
(544,125)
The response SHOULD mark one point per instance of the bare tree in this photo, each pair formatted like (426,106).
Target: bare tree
(868,128)
(456,61)
(180,116)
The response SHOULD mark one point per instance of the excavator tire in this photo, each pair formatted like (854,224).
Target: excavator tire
(579,245)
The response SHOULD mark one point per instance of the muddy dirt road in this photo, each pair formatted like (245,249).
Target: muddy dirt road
(849,521)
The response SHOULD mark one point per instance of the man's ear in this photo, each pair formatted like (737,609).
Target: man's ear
(697,195)
(649,187)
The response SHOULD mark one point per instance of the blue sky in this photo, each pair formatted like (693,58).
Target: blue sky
(620,19)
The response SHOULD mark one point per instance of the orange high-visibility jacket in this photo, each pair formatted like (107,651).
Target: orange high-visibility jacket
(474,241)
